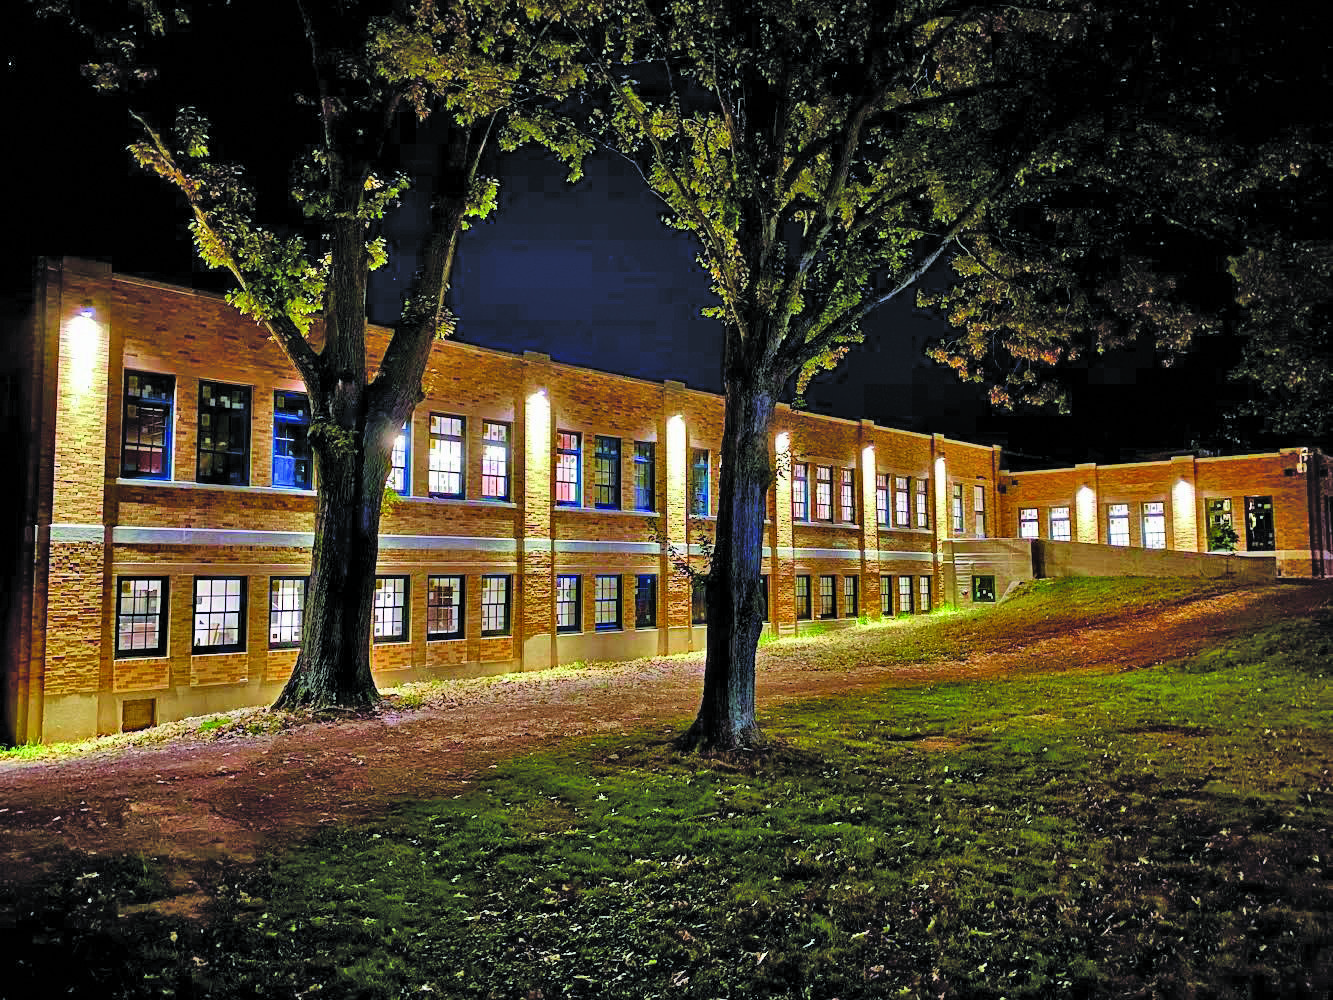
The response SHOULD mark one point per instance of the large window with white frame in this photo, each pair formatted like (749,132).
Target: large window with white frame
(286,608)
(496,599)
(1117,523)
(800,491)
(568,603)
(223,443)
(219,614)
(645,475)
(141,615)
(846,492)
(568,468)
(494,460)
(444,607)
(444,473)
(400,468)
(923,503)
(389,609)
(146,425)
(1154,525)
(823,493)
(1027,523)
(606,461)
(901,499)
(1059,521)
(292,460)
(606,603)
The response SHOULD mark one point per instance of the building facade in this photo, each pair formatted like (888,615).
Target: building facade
(167,509)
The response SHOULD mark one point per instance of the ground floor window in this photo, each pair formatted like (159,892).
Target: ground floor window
(141,616)
(390,609)
(699,604)
(803,597)
(286,606)
(1117,524)
(645,601)
(983,589)
(1221,531)
(495,602)
(828,597)
(923,593)
(886,596)
(1060,524)
(567,602)
(1027,522)
(219,614)
(904,595)
(849,595)
(444,607)
(606,606)
(763,595)
(1259,535)
(1154,525)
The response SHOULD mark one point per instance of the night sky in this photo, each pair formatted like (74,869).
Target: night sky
(585,273)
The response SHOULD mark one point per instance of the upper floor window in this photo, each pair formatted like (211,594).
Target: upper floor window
(568,468)
(224,434)
(1060,524)
(399,470)
(606,455)
(219,614)
(882,498)
(568,603)
(445,473)
(286,606)
(495,605)
(800,492)
(823,493)
(494,460)
(979,509)
(141,615)
(291,442)
(1027,523)
(900,502)
(923,503)
(444,607)
(845,491)
(699,482)
(645,475)
(956,508)
(389,623)
(606,603)
(146,426)
(1117,524)
(1154,525)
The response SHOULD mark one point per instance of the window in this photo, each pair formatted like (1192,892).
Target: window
(568,604)
(956,508)
(390,609)
(763,596)
(828,597)
(698,482)
(886,596)
(845,491)
(979,509)
(645,476)
(606,455)
(444,607)
(286,607)
(882,498)
(923,503)
(146,426)
(1060,524)
(1221,529)
(495,592)
(1154,525)
(219,614)
(568,468)
(1027,523)
(983,589)
(399,471)
(823,493)
(494,461)
(803,597)
(645,600)
(224,434)
(1259,524)
(291,442)
(1117,523)
(606,603)
(445,473)
(923,593)
(800,492)
(904,595)
(900,501)
(141,616)
(698,603)
(849,594)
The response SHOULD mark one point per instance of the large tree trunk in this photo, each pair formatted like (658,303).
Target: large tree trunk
(726,718)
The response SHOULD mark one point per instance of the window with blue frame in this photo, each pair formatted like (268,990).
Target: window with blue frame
(399,469)
(146,449)
(291,440)
(568,468)
(699,482)
(645,475)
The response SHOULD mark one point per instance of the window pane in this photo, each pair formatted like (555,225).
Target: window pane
(882,498)
(495,461)
(399,479)
(699,483)
(292,461)
(1154,525)
(568,472)
(607,460)
(445,472)
(645,601)
(224,434)
(828,607)
(849,594)
(141,610)
(800,492)
(1060,524)
(567,604)
(1027,522)
(390,609)
(645,478)
(495,605)
(922,503)
(803,597)
(823,493)
(845,491)
(1117,523)
(219,614)
(900,502)
(146,426)
(606,603)
(286,606)
(444,607)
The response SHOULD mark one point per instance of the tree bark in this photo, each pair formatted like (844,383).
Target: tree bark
(726,719)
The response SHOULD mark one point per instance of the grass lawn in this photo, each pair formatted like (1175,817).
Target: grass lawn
(1163,832)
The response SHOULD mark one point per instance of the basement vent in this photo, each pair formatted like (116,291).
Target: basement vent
(138,713)
(1289,472)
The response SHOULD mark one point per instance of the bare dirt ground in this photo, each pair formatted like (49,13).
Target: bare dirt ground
(196,802)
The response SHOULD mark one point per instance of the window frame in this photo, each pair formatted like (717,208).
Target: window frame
(568,458)
(161,614)
(604,603)
(489,445)
(606,472)
(506,626)
(209,649)
(459,605)
(1153,524)
(404,436)
(284,418)
(376,607)
(167,406)
(902,500)
(828,596)
(800,492)
(982,592)
(650,619)
(847,496)
(449,446)
(1254,541)
(802,599)
(645,468)
(763,590)
(1028,524)
(565,601)
(886,595)
(282,608)
(1117,521)
(851,594)
(956,508)
(700,470)
(979,509)
(906,597)
(242,458)
(698,603)
(923,503)
(882,499)
(923,594)
(824,493)
(1068,526)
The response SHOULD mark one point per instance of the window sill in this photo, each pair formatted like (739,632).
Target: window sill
(572,509)
(825,524)
(391,642)
(460,502)
(495,635)
(446,638)
(183,484)
(229,651)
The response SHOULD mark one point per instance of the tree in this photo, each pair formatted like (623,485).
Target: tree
(825,156)
(488,71)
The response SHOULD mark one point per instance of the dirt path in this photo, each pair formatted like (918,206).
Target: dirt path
(195,801)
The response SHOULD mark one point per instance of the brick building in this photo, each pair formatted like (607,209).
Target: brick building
(159,559)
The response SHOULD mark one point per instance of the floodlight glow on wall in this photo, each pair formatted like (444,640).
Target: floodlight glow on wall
(82,335)
(537,421)
(1085,508)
